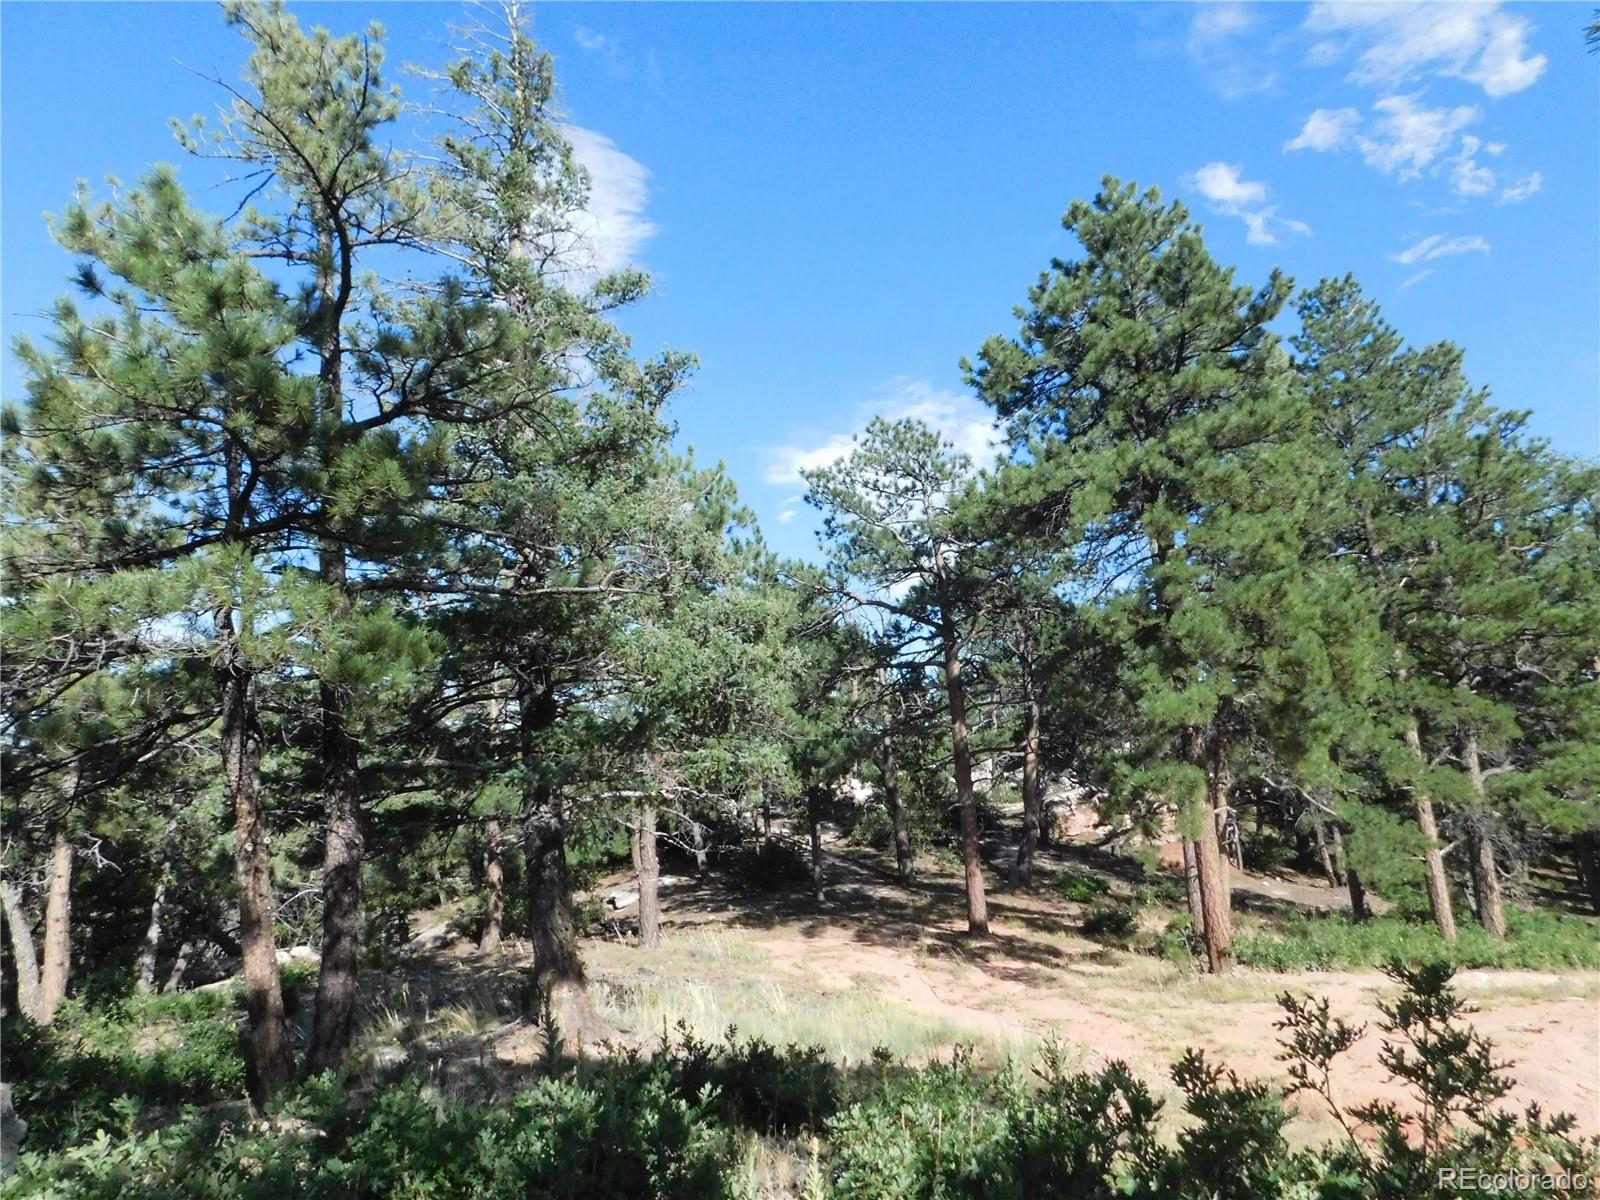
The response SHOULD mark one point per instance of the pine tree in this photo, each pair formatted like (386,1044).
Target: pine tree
(1153,416)
(167,394)
(900,548)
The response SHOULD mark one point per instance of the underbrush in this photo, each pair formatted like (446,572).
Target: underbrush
(1332,941)
(688,1121)
(96,1068)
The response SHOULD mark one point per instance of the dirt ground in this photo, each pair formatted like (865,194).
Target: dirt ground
(1038,977)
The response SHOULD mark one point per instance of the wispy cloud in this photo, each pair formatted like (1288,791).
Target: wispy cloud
(614,227)
(1219,46)
(1469,177)
(1227,191)
(1439,246)
(1405,136)
(1396,43)
(1326,129)
(1393,45)
(604,48)
(1522,189)
(958,416)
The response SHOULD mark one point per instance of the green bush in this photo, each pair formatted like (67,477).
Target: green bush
(870,825)
(676,1125)
(97,1068)
(756,1085)
(1114,921)
(614,1134)
(1080,887)
(931,1132)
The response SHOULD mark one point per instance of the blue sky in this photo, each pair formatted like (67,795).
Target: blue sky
(837,202)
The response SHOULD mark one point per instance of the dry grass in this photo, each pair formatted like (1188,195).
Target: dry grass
(710,982)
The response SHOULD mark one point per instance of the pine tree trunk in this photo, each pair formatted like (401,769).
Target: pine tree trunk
(494,883)
(1330,872)
(24,958)
(1340,864)
(649,877)
(273,1059)
(1211,873)
(341,877)
(341,784)
(899,819)
(180,967)
(1586,853)
(1191,885)
(145,980)
(1358,895)
(55,966)
(1432,855)
(697,840)
(1032,789)
(1485,874)
(1486,879)
(1227,824)
(1211,867)
(1352,879)
(559,985)
(814,820)
(977,903)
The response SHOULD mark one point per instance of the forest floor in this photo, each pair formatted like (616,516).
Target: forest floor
(881,964)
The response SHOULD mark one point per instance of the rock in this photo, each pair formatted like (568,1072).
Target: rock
(298,955)
(1070,820)
(1170,856)
(431,938)
(382,1057)
(623,898)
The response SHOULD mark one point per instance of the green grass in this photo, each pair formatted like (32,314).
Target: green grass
(1539,941)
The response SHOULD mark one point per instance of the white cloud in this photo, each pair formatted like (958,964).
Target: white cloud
(1221,183)
(614,227)
(1216,45)
(1440,246)
(1229,192)
(1522,189)
(1326,129)
(1469,177)
(1405,137)
(959,418)
(1411,281)
(1475,42)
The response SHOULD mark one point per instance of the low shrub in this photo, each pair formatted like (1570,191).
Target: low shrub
(1081,887)
(1114,921)
(755,1084)
(98,1068)
(678,1125)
